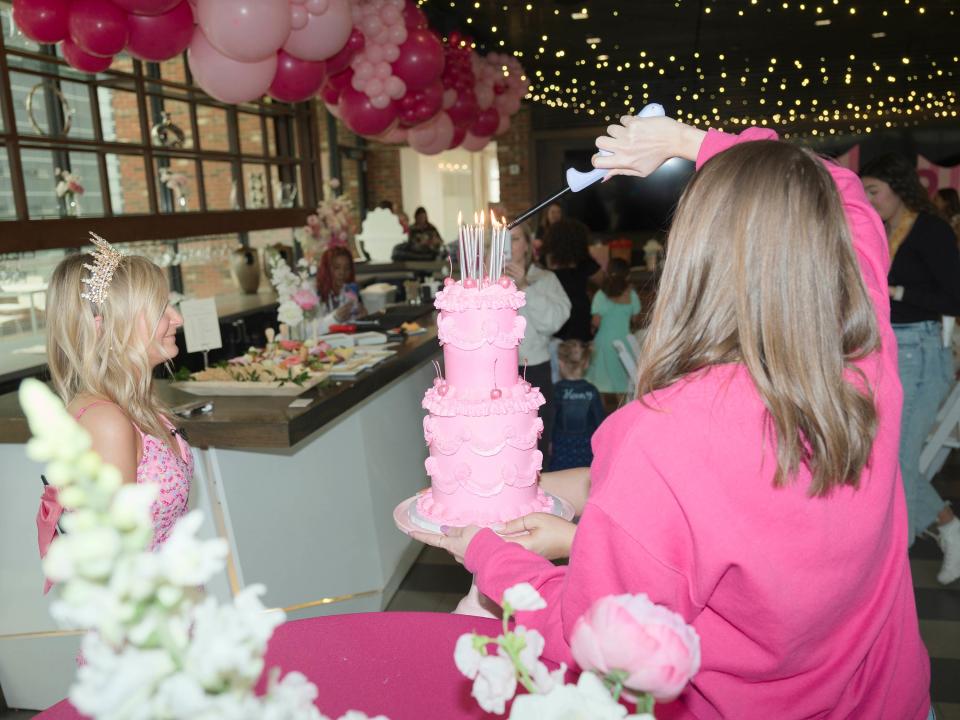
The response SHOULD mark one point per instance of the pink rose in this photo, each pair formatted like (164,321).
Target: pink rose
(306,299)
(653,645)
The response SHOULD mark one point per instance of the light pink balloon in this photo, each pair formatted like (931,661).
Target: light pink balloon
(317,7)
(371,25)
(324,35)
(375,87)
(298,17)
(245,30)
(398,34)
(396,87)
(382,70)
(333,110)
(391,53)
(363,69)
(504,125)
(474,143)
(449,98)
(391,15)
(227,79)
(394,135)
(485,95)
(433,136)
(380,101)
(375,53)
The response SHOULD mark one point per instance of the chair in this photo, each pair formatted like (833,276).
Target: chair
(945,436)
(634,340)
(629,364)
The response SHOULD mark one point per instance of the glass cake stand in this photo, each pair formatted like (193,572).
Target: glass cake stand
(407,519)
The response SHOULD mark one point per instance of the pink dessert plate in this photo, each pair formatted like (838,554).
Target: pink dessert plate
(407,518)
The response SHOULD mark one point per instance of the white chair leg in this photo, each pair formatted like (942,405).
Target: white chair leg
(945,436)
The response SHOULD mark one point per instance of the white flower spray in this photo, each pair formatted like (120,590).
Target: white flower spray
(156,647)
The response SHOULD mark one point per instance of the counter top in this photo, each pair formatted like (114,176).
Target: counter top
(267,422)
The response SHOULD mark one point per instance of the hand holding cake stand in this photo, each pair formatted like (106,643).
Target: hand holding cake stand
(482,425)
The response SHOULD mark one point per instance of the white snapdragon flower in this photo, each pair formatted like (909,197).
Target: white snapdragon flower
(90,605)
(466,656)
(587,700)
(524,596)
(181,696)
(357,715)
(545,680)
(90,554)
(187,561)
(118,685)
(495,683)
(289,313)
(228,642)
(291,698)
(130,507)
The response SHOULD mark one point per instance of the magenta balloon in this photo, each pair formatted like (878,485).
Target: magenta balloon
(361,116)
(475,143)
(147,7)
(83,60)
(335,85)
(459,133)
(486,123)
(413,16)
(227,79)
(421,59)
(325,35)
(464,109)
(43,21)
(98,27)
(296,79)
(160,37)
(245,30)
(342,59)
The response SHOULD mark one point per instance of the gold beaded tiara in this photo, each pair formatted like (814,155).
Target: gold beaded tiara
(105,261)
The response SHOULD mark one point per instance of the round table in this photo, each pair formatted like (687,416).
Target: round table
(398,664)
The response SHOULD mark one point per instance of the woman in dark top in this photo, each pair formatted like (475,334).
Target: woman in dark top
(566,253)
(422,232)
(924,285)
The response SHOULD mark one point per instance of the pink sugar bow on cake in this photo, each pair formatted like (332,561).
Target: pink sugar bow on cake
(657,650)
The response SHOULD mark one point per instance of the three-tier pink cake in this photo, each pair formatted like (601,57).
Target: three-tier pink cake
(482,427)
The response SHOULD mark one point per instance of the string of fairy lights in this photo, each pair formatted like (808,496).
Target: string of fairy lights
(806,93)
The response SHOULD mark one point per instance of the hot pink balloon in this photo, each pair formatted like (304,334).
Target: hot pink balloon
(147,7)
(413,16)
(342,59)
(459,133)
(361,116)
(296,79)
(421,59)
(335,85)
(418,107)
(324,35)
(475,143)
(98,27)
(224,78)
(245,30)
(464,109)
(161,37)
(486,123)
(432,137)
(43,21)
(83,60)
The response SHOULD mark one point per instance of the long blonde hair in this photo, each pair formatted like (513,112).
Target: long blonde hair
(760,270)
(110,362)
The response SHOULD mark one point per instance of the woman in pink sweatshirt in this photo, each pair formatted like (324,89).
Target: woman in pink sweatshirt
(753,487)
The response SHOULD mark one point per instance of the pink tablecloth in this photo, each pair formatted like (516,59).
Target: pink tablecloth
(396,664)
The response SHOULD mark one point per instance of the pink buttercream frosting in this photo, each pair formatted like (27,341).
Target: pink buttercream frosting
(456,298)
(437,508)
(478,403)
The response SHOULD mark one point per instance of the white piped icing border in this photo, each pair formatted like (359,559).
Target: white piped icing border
(457,298)
(451,444)
(513,400)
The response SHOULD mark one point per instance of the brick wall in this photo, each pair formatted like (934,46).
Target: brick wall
(383,175)
(514,152)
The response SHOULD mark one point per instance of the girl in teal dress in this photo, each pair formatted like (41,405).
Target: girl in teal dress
(615,308)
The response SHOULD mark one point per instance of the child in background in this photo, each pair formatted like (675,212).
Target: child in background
(579,409)
(615,311)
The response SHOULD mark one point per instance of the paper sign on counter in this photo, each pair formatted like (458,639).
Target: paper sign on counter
(201,324)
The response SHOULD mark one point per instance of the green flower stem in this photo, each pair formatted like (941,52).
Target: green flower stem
(645,703)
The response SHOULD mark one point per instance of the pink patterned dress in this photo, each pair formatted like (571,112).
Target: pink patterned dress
(172,471)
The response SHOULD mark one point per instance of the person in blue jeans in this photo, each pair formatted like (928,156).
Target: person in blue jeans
(924,285)
(578,407)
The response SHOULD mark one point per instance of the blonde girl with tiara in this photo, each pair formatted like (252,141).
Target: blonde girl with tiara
(111,325)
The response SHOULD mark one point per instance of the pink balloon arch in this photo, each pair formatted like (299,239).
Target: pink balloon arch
(376,64)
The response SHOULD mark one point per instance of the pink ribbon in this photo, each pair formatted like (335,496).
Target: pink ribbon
(47,518)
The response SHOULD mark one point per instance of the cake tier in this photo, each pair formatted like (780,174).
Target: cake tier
(476,402)
(456,298)
(465,510)
(483,470)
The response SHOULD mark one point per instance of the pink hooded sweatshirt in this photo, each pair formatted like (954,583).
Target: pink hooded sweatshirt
(804,605)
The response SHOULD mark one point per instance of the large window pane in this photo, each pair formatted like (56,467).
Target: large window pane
(205,265)
(128,184)
(218,183)
(178,119)
(255,191)
(8,210)
(251,134)
(177,185)
(84,167)
(23,284)
(39,177)
(212,125)
(119,115)
(77,96)
(285,181)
